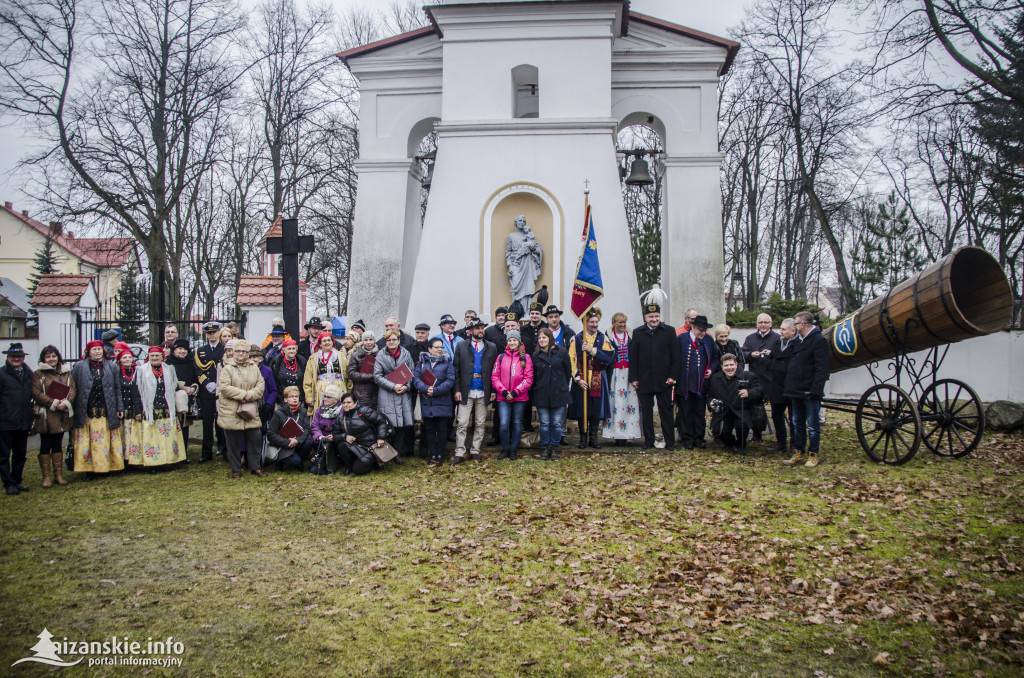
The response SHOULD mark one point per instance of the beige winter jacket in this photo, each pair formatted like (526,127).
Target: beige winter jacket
(234,383)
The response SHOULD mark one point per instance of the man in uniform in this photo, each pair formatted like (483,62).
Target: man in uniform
(207,357)
(654,363)
(590,355)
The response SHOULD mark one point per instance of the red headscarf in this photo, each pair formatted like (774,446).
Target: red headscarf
(95,343)
(152,349)
(289,342)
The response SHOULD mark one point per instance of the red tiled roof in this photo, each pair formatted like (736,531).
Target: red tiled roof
(60,289)
(275,230)
(262,290)
(69,243)
(107,252)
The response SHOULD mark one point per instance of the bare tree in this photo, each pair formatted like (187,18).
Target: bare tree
(131,98)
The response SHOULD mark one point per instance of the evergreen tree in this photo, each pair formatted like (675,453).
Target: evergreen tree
(45,262)
(646,241)
(132,308)
(887,250)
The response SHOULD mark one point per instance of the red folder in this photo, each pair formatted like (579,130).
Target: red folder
(290,429)
(428,378)
(366,367)
(58,390)
(401,376)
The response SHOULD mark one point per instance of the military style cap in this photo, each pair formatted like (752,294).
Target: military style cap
(537,306)
(212,326)
(651,308)
(510,315)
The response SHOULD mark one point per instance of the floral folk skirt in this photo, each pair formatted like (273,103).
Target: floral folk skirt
(160,442)
(625,420)
(98,447)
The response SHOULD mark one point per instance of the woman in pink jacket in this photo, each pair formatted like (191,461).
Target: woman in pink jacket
(512,377)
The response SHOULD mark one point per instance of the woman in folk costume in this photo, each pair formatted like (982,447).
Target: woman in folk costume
(131,431)
(591,355)
(624,422)
(325,367)
(97,413)
(162,442)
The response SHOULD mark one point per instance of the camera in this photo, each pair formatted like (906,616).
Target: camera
(716,405)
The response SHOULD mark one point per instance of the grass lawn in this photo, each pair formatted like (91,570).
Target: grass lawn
(614,563)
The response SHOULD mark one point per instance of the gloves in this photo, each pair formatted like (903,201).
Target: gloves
(211,387)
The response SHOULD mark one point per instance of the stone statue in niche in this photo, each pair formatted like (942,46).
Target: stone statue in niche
(523,257)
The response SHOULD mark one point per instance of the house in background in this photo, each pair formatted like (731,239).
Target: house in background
(14,307)
(104,259)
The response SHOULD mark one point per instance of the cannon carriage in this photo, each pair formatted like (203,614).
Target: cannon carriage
(964,295)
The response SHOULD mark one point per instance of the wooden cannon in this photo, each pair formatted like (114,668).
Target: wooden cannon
(962,296)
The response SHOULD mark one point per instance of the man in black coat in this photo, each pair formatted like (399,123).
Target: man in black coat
(654,364)
(474,360)
(15,418)
(733,395)
(778,366)
(307,346)
(496,331)
(757,352)
(404,340)
(470,318)
(529,334)
(805,387)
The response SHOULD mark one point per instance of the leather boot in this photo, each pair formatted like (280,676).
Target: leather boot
(58,471)
(544,452)
(44,464)
(583,440)
(593,439)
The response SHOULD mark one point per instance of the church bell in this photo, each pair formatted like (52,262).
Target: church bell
(639,174)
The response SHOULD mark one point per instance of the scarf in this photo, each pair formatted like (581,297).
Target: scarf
(330,412)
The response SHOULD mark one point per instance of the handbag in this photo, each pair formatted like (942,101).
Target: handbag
(69,454)
(180,402)
(384,453)
(248,411)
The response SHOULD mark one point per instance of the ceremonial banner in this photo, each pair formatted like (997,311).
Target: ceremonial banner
(587,288)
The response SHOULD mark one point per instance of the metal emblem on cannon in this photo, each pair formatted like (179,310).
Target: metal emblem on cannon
(964,295)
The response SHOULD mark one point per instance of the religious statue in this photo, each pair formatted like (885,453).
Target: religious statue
(523,256)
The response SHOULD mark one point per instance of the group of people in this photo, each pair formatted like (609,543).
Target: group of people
(338,401)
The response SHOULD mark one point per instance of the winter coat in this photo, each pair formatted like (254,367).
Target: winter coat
(720,387)
(552,373)
(654,356)
(235,382)
(464,362)
(396,407)
(777,368)
(808,368)
(15,398)
(283,377)
(761,366)
(147,384)
(366,424)
(440,404)
(320,425)
(363,385)
(510,374)
(731,346)
(81,377)
(49,420)
(281,415)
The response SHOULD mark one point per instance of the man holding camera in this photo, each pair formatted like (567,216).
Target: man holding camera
(734,398)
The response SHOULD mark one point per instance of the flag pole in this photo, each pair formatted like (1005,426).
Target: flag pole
(586,233)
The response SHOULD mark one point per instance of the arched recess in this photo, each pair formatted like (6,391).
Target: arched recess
(525,91)
(417,132)
(647,120)
(544,215)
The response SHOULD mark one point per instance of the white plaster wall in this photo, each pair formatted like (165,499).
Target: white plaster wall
(259,321)
(991,365)
(450,261)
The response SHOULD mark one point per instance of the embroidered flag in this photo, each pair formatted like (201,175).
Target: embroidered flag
(587,288)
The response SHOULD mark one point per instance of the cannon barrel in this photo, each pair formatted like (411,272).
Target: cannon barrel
(964,295)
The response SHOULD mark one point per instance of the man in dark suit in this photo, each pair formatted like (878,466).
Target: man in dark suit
(307,346)
(496,332)
(474,360)
(653,370)
(757,351)
(805,387)
(777,367)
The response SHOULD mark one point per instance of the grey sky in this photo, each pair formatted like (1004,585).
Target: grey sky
(710,17)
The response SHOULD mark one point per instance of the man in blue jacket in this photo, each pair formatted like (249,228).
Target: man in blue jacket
(699,356)
(805,387)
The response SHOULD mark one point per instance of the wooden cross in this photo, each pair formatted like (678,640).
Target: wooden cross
(289,246)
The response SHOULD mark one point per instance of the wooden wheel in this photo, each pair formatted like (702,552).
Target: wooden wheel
(888,424)
(953,418)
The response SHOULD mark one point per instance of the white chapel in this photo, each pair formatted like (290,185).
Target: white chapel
(526,99)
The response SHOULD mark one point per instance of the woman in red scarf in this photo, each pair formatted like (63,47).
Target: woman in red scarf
(98,412)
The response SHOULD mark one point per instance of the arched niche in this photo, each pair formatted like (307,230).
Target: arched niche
(525,91)
(647,120)
(417,132)
(545,217)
